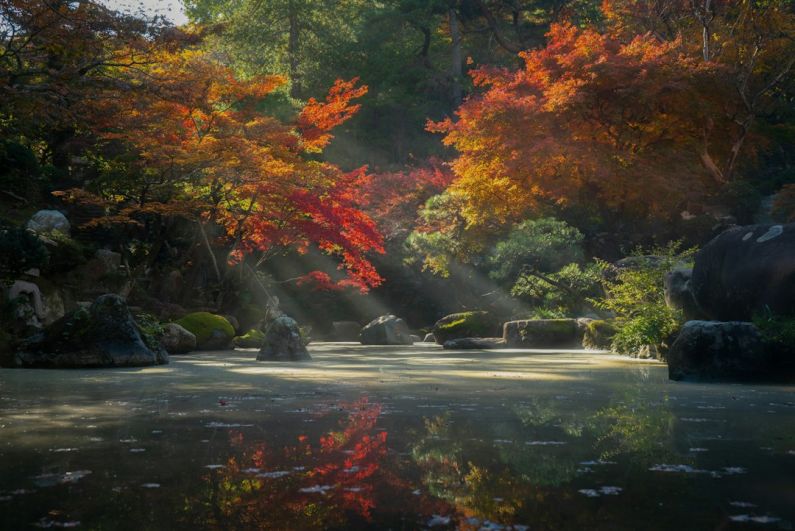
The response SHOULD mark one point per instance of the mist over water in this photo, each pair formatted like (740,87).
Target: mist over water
(393,437)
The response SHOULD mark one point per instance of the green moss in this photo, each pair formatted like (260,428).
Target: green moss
(150,328)
(599,334)
(465,324)
(251,339)
(203,324)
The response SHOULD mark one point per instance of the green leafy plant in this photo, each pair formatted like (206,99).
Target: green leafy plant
(635,294)
(779,330)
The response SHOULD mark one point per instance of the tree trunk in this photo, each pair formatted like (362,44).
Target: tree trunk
(293,43)
(456,72)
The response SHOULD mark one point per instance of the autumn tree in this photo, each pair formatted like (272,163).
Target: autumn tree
(210,156)
(625,129)
(55,57)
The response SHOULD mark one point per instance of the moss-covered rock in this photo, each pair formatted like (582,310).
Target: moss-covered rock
(465,324)
(213,332)
(599,334)
(251,339)
(543,333)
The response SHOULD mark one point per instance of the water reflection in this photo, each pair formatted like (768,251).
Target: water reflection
(624,450)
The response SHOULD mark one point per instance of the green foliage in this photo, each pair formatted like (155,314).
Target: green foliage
(20,250)
(776,329)
(67,254)
(635,294)
(251,339)
(151,329)
(203,324)
(19,168)
(443,238)
(561,294)
(599,334)
(545,245)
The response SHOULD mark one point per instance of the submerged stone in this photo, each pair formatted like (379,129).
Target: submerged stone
(475,343)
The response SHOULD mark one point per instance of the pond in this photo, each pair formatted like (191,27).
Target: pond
(393,438)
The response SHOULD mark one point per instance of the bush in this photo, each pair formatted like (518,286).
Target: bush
(20,250)
(150,328)
(777,330)
(562,294)
(545,245)
(636,296)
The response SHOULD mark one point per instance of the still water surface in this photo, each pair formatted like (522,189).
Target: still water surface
(393,438)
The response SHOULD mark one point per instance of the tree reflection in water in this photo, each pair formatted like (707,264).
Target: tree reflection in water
(335,482)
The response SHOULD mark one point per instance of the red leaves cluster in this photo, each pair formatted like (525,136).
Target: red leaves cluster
(318,118)
(197,130)
(393,198)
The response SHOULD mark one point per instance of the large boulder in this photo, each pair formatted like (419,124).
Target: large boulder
(177,340)
(283,342)
(386,330)
(345,330)
(48,222)
(102,335)
(543,333)
(746,270)
(465,324)
(678,293)
(213,332)
(717,350)
(475,343)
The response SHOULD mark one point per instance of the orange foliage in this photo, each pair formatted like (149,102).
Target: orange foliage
(196,127)
(590,121)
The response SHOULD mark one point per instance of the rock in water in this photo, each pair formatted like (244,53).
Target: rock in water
(543,333)
(104,335)
(386,330)
(177,340)
(213,332)
(283,342)
(475,343)
(429,338)
(745,270)
(723,351)
(465,324)
(49,221)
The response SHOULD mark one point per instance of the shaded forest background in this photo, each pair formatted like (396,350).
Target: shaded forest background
(446,154)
